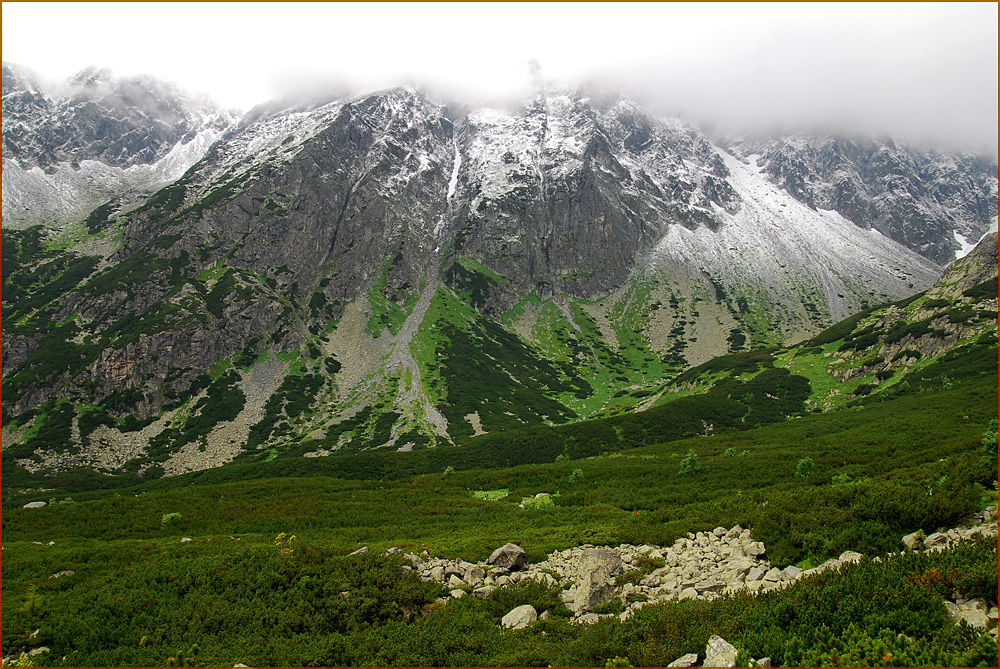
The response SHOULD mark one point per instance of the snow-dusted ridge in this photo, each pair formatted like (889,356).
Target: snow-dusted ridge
(71,147)
(68,193)
(780,246)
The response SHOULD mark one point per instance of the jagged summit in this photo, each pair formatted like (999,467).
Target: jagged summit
(71,147)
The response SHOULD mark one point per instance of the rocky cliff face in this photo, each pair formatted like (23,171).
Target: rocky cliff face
(400,273)
(69,148)
(930,201)
(563,194)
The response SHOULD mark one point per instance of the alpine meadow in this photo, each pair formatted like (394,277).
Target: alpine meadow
(388,378)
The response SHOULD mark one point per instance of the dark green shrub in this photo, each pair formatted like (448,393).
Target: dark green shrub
(504,599)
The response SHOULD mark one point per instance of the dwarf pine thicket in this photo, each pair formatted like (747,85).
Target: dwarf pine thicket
(139,595)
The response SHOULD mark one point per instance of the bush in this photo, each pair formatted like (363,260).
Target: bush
(690,463)
(804,467)
(988,461)
(504,599)
(169,518)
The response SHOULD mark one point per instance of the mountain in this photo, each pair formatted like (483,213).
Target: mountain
(71,147)
(930,201)
(882,352)
(387,271)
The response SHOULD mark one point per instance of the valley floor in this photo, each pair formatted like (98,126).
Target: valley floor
(251,565)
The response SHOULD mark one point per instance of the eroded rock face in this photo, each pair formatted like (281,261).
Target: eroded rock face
(302,216)
(97,116)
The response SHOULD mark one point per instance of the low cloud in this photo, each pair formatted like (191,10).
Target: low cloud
(918,72)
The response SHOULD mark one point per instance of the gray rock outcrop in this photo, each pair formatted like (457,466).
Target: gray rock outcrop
(704,566)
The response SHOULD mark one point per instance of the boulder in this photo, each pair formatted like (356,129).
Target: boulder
(595,587)
(773,574)
(912,541)
(741,567)
(792,572)
(689,660)
(360,551)
(936,539)
(756,549)
(719,653)
(850,556)
(974,612)
(688,593)
(509,556)
(520,617)
(709,585)
(475,576)
(587,619)
(755,574)
(34,505)
(832,563)
(455,582)
(60,574)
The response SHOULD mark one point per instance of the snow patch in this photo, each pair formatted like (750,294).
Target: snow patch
(964,243)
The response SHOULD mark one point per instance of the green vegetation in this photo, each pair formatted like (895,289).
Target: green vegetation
(474,364)
(231,582)
(690,463)
(390,307)
(887,467)
(893,431)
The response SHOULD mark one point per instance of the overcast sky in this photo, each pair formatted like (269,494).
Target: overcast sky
(920,72)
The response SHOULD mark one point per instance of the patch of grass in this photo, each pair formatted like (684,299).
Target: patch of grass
(493,495)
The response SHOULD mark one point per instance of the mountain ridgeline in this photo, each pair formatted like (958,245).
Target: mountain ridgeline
(385,272)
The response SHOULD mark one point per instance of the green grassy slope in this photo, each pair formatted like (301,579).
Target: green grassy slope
(880,470)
